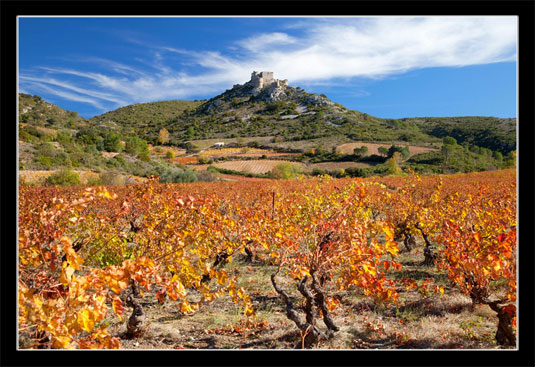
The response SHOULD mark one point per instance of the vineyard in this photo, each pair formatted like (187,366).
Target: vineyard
(391,263)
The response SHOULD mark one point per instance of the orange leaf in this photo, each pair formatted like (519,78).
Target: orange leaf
(117,306)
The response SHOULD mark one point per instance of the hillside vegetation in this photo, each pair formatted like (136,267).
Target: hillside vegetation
(143,139)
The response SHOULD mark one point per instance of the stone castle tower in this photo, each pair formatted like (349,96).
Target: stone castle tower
(265,79)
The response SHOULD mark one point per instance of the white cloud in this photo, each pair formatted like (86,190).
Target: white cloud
(65,85)
(326,48)
(67,95)
(265,41)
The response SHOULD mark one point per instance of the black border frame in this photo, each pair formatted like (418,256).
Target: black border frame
(523,356)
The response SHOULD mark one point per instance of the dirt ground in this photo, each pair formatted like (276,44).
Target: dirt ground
(447,321)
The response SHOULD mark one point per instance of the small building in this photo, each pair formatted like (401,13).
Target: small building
(219,144)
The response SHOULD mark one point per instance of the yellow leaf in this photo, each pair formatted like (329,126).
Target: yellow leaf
(62,342)
(369,270)
(66,274)
(249,311)
(186,307)
(222,277)
(388,232)
(392,247)
(86,320)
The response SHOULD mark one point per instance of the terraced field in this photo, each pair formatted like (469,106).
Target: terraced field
(331,166)
(257,166)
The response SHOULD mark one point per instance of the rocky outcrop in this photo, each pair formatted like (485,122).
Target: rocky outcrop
(264,87)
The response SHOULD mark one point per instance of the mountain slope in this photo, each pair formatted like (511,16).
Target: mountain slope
(265,106)
(263,111)
(36,111)
(146,113)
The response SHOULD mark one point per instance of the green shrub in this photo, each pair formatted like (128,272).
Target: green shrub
(170,154)
(177,175)
(64,177)
(94,181)
(112,142)
(64,136)
(137,146)
(144,157)
(27,137)
(87,136)
(44,161)
(393,168)
(284,171)
(205,160)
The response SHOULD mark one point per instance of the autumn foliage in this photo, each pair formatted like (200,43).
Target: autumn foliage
(87,253)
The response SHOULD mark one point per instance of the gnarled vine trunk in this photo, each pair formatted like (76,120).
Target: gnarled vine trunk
(135,322)
(505,335)
(314,303)
(430,254)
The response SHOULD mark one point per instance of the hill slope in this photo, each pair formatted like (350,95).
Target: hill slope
(35,110)
(292,114)
(259,113)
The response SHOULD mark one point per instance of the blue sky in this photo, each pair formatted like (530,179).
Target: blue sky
(390,67)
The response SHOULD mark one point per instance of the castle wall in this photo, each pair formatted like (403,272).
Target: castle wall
(264,79)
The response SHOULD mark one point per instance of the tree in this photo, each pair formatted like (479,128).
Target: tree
(87,136)
(136,145)
(163,136)
(510,159)
(112,142)
(393,168)
(449,140)
(361,152)
(447,149)
(383,151)
(405,152)
(285,171)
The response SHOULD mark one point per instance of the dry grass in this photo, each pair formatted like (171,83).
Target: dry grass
(185,160)
(46,130)
(417,322)
(161,150)
(109,155)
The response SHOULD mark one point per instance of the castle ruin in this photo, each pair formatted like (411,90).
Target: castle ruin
(263,79)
